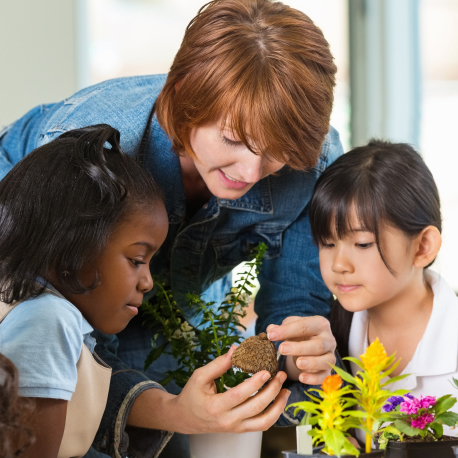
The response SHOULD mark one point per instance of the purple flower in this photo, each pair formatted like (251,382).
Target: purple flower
(392,403)
(408,395)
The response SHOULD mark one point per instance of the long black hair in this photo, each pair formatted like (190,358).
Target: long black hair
(59,205)
(385,183)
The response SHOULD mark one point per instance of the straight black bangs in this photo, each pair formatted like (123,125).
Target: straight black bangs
(380,183)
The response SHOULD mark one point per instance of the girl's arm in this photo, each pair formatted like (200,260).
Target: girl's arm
(48,427)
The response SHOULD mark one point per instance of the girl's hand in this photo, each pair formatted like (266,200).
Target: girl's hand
(238,409)
(309,346)
(200,409)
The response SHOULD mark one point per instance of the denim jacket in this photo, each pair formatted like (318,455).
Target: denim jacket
(197,251)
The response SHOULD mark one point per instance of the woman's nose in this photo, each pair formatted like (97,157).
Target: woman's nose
(252,167)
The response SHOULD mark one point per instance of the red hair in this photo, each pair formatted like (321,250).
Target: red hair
(260,66)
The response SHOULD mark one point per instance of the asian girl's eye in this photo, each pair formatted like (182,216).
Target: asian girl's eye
(136,263)
(364,246)
(327,245)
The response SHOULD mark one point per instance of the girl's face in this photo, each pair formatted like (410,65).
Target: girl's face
(354,272)
(227,166)
(124,271)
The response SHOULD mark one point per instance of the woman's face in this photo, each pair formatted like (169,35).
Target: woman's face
(227,166)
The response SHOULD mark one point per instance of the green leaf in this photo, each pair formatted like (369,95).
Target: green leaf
(334,439)
(349,449)
(406,428)
(154,354)
(444,403)
(346,376)
(167,379)
(447,418)
(438,430)
(355,361)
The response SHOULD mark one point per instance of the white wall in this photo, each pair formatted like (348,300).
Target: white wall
(38,59)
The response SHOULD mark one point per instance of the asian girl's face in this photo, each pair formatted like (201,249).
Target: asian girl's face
(355,273)
(227,166)
(123,269)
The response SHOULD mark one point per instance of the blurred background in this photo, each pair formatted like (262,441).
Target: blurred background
(397,79)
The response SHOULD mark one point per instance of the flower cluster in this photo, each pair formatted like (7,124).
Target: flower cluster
(423,417)
(218,328)
(333,413)
(371,393)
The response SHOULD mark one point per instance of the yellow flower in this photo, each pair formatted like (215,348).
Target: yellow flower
(331,383)
(375,356)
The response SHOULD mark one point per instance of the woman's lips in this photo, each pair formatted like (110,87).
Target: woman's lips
(348,288)
(231,183)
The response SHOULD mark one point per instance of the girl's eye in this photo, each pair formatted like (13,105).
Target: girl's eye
(327,245)
(137,263)
(229,142)
(364,245)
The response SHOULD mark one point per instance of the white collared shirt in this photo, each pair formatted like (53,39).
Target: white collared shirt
(435,360)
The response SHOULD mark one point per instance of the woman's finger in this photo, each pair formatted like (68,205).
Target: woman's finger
(301,328)
(314,364)
(317,346)
(267,418)
(314,379)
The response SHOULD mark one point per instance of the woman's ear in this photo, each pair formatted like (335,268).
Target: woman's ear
(428,244)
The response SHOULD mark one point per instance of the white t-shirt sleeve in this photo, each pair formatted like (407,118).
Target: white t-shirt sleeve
(43,337)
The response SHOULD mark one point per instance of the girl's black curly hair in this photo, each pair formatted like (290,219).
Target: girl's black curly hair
(59,205)
(16,412)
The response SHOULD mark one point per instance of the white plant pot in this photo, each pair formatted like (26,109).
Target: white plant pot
(304,440)
(226,445)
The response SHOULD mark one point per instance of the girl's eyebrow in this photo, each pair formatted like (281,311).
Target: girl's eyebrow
(148,245)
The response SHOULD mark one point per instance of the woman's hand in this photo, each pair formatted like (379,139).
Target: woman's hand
(200,409)
(309,346)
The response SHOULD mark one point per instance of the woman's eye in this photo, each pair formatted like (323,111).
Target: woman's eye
(136,263)
(364,245)
(230,142)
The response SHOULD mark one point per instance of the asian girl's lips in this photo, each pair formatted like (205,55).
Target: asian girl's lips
(231,183)
(348,288)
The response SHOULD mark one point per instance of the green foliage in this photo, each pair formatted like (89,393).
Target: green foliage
(194,347)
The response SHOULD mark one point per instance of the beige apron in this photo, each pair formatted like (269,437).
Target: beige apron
(86,407)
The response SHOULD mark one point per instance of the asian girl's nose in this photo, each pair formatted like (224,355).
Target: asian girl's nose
(145,282)
(341,262)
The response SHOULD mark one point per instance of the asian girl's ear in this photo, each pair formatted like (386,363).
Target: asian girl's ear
(428,244)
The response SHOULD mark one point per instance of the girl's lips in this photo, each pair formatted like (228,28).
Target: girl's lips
(348,288)
(230,183)
(133,308)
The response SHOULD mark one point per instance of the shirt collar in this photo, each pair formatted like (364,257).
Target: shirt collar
(437,351)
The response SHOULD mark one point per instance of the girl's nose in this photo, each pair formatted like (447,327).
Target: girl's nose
(342,263)
(146,282)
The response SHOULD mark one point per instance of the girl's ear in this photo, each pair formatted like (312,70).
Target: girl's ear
(429,242)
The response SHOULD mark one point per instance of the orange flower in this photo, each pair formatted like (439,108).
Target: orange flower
(375,356)
(331,383)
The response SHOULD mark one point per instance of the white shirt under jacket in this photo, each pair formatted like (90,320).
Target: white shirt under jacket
(435,360)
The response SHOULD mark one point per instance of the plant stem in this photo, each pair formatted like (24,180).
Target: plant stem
(368,436)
